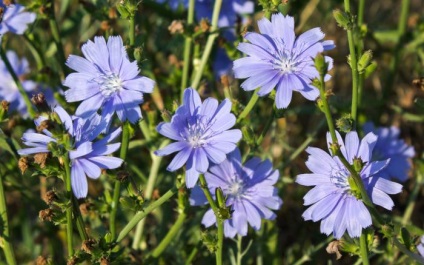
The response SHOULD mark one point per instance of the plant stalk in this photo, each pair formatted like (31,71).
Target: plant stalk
(187,49)
(219,221)
(6,238)
(69,224)
(140,215)
(364,248)
(209,44)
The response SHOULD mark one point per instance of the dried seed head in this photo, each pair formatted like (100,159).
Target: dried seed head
(204,25)
(50,197)
(23,164)
(176,26)
(40,159)
(333,248)
(5,105)
(8,2)
(72,261)
(41,261)
(88,245)
(39,100)
(46,215)
(104,261)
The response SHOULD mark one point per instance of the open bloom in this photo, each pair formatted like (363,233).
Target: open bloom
(87,157)
(106,79)
(201,131)
(333,200)
(276,58)
(15,19)
(390,146)
(420,246)
(249,190)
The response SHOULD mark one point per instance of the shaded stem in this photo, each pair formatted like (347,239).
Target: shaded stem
(18,83)
(408,253)
(187,49)
(69,209)
(307,256)
(364,249)
(266,128)
(354,67)
(239,250)
(140,215)
(80,222)
(170,235)
(411,200)
(209,44)
(117,189)
(219,221)
(54,27)
(249,106)
(402,24)
(36,53)
(154,169)
(6,238)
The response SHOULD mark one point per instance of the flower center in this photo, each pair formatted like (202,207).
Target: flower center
(197,131)
(236,188)
(110,84)
(339,177)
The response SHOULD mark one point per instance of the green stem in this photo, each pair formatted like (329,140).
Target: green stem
(170,235)
(80,222)
(364,249)
(187,49)
(249,106)
(18,83)
(307,256)
(354,67)
(132,30)
(411,201)
(54,27)
(69,229)
(266,128)
(117,189)
(36,53)
(408,253)
(219,221)
(192,255)
(6,238)
(360,43)
(154,169)
(140,215)
(402,25)
(239,250)
(209,44)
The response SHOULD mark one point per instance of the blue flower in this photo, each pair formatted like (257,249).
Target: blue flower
(249,190)
(390,146)
(420,246)
(87,157)
(14,19)
(332,199)
(106,79)
(201,131)
(276,58)
(9,91)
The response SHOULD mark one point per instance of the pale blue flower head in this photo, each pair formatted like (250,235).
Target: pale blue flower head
(15,19)
(107,80)
(332,200)
(249,191)
(277,59)
(420,247)
(8,89)
(389,145)
(88,157)
(202,134)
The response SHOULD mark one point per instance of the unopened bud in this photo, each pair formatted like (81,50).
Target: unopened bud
(370,69)
(138,54)
(321,65)
(364,61)
(334,148)
(204,25)
(345,123)
(166,115)
(343,19)
(220,197)
(358,164)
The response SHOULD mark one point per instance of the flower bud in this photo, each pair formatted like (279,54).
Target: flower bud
(46,215)
(39,100)
(345,123)
(364,61)
(358,164)
(321,65)
(343,19)
(370,69)
(138,54)
(220,197)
